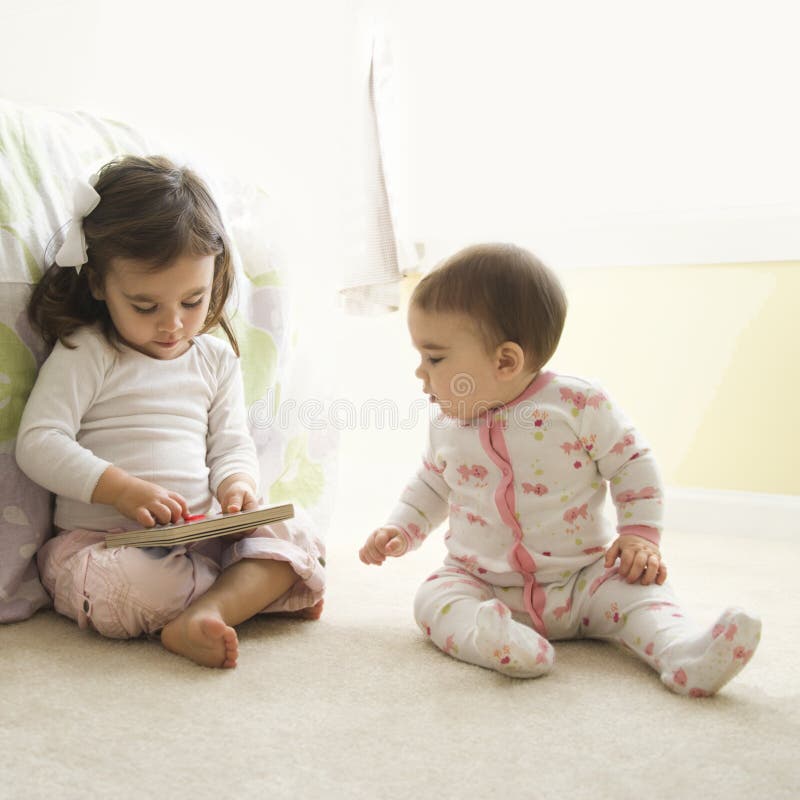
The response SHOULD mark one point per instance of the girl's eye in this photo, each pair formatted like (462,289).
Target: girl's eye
(151,309)
(432,360)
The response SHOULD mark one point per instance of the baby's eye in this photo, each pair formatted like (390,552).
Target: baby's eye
(192,305)
(140,310)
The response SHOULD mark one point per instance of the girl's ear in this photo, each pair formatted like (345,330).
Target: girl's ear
(509,360)
(95,287)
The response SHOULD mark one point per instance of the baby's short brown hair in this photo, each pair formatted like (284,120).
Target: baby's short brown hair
(507,291)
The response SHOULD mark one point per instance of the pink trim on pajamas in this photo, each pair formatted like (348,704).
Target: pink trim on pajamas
(643,531)
(494,443)
(125,592)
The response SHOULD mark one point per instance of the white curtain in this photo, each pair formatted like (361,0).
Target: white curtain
(379,253)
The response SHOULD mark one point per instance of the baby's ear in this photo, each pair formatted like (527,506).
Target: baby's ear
(509,360)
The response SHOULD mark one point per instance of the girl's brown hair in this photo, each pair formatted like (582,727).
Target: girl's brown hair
(150,210)
(507,291)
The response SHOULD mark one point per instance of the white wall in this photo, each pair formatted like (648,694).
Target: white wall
(271,91)
(616,132)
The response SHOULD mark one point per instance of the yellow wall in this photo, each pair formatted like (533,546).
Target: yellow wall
(706,361)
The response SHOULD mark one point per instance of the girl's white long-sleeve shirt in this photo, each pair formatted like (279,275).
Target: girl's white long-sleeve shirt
(525,485)
(179,423)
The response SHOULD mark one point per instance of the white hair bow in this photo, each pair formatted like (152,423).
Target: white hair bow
(73,252)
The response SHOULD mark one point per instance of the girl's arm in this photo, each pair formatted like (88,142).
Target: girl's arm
(47,450)
(147,503)
(230,450)
(238,492)
(47,447)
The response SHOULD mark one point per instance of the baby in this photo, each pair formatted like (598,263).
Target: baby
(520,458)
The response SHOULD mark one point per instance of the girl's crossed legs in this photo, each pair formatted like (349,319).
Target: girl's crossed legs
(192,595)
(487,625)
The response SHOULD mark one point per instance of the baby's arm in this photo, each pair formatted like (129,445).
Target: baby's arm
(386,541)
(626,461)
(422,507)
(639,560)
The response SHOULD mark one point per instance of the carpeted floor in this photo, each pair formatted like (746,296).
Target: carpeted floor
(358,705)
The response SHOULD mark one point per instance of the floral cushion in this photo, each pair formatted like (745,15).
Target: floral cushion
(41,152)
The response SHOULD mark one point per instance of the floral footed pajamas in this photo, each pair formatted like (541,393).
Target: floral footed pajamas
(488,625)
(524,488)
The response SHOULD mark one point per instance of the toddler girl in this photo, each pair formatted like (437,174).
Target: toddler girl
(520,458)
(138,417)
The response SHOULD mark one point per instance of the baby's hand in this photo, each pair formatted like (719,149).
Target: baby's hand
(388,541)
(639,560)
(148,503)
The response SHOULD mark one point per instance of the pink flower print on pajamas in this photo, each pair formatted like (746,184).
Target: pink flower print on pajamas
(572,447)
(538,489)
(588,442)
(572,515)
(626,441)
(540,424)
(628,495)
(613,614)
(579,399)
(469,563)
(742,653)
(561,610)
(476,471)
(431,467)
(450,645)
(414,532)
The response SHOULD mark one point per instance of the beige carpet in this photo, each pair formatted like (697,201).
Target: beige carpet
(357,705)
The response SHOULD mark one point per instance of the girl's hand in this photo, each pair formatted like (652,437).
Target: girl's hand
(639,560)
(388,541)
(236,493)
(148,503)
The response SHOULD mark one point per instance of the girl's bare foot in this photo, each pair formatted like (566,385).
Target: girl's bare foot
(312,612)
(203,637)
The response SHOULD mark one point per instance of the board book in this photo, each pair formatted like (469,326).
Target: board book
(202,527)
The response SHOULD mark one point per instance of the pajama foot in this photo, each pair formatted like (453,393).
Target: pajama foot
(701,665)
(508,646)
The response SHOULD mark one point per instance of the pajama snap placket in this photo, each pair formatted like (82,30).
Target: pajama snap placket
(520,560)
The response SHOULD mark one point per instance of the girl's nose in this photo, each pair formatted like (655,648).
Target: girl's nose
(419,372)
(170,321)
